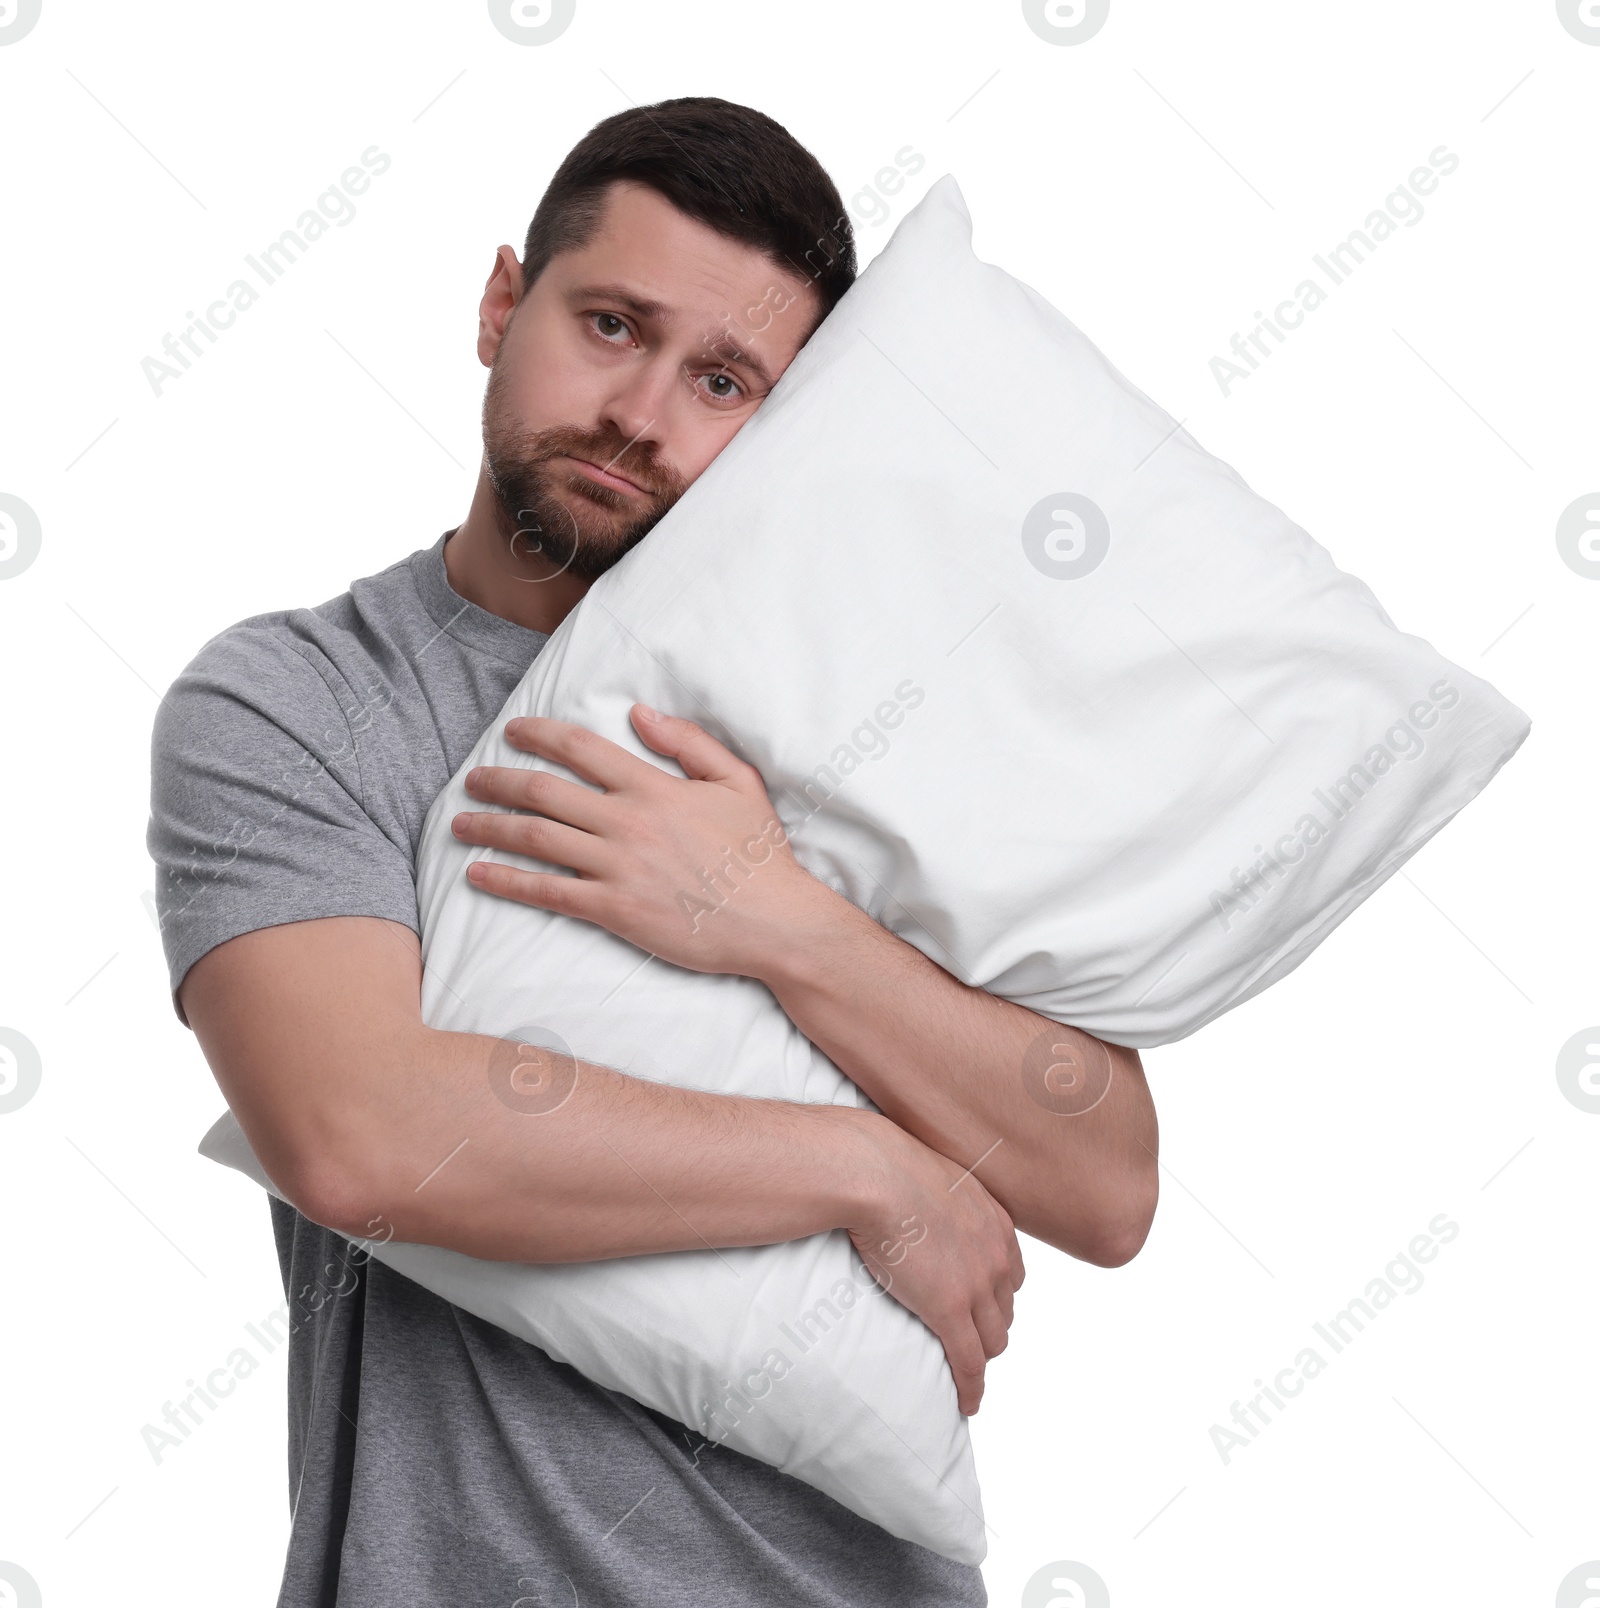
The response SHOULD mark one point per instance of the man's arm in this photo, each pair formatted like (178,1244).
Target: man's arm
(378,1126)
(1059,1125)
(952,1065)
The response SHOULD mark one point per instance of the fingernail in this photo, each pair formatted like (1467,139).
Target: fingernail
(459,824)
(472,777)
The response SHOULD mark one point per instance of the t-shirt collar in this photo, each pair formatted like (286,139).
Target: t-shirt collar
(466,622)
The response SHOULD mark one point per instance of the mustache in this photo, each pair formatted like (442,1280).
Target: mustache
(607,449)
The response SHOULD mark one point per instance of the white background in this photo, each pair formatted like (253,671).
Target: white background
(1158,183)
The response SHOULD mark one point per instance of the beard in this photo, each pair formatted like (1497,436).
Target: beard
(551,509)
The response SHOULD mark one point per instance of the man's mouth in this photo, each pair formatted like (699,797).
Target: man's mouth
(605,476)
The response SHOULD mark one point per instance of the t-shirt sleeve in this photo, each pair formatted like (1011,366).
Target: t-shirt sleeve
(256,814)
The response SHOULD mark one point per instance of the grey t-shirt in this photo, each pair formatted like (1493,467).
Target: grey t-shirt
(433,1458)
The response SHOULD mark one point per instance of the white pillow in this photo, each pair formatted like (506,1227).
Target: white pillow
(1037,682)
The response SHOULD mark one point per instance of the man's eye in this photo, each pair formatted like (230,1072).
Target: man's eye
(609,325)
(722,387)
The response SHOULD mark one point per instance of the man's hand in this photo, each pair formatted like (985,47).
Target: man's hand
(380,1127)
(696,868)
(941,1244)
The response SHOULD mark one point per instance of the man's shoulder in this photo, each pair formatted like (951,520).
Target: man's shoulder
(349,627)
(293,663)
(292,763)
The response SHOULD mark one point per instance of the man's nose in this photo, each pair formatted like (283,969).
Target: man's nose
(639,408)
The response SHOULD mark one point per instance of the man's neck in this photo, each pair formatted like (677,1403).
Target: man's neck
(481,567)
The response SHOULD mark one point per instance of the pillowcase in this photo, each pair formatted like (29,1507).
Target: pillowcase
(1034,680)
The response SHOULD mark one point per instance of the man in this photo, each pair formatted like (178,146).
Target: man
(681,256)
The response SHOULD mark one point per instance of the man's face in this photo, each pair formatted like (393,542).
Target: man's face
(624,369)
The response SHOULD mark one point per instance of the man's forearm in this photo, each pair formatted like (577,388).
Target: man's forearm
(950,1064)
(620,1167)
(383,1128)
(962,1070)
(379,1126)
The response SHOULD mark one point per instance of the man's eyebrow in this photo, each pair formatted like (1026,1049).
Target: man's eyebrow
(725,349)
(639,306)
(720,343)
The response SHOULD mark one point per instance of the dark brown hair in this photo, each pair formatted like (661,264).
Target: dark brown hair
(727,166)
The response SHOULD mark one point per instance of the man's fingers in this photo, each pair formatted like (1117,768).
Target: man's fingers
(702,757)
(964,1351)
(568,896)
(532,835)
(539,791)
(992,1327)
(585,753)
(1005,1299)
(969,1392)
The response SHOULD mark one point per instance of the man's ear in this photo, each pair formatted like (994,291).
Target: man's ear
(501,295)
